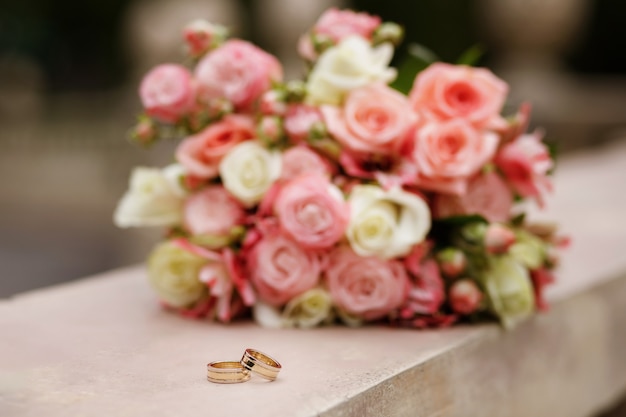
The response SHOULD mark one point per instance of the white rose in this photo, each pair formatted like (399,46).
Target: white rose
(175,275)
(386,223)
(154,198)
(309,309)
(248,170)
(352,63)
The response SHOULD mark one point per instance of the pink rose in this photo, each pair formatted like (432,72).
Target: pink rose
(541,278)
(448,153)
(465,296)
(212,211)
(312,211)
(167,92)
(525,163)
(374,119)
(299,120)
(336,25)
(339,24)
(280,269)
(201,153)
(237,71)
(366,287)
(426,293)
(200,36)
(487,195)
(301,160)
(445,91)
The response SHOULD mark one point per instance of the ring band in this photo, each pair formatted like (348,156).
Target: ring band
(227,372)
(260,364)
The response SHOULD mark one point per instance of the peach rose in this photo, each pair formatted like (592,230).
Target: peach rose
(312,211)
(526,163)
(166,92)
(365,287)
(237,71)
(446,91)
(280,269)
(448,153)
(374,119)
(201,153)
(301,160)
(212,211)
(487,195)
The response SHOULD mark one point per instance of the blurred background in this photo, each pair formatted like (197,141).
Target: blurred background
(69,71)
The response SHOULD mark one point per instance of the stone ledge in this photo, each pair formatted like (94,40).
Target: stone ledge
(101,346)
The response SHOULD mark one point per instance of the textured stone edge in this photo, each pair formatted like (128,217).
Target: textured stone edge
(566,362)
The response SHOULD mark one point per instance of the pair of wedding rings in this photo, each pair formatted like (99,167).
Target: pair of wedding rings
(252,361)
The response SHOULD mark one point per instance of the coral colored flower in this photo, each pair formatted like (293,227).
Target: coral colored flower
(465,296)
(448,153)
(452,261)
(365,287)
(201,153)
(238,72)
(541,278)
(301,160)
(444,92)
(311,211)
(487,195)
(373,119)
(498,238)
(280,269)
(167,92)
(351,64)
(526,163)
(212,211)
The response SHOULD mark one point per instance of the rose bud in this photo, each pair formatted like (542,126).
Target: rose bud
(296,90)
(145,132)
(273,103)
(201,36)
(452,261)
(498,238)
(465,296)
(270,129)
(389,32)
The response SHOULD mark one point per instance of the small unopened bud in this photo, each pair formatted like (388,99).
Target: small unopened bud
(219,107)
(452,262)
(273,103)
(318,131)
(498,238)
(145,132)
(270,129)
(295,91)
(321,43)
(465,296)
(389,32)
(202,36)
(474,232)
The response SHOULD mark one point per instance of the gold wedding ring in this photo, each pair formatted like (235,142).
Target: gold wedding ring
(261,364)
(227,372)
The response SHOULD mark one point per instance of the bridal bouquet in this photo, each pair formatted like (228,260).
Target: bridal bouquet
(339,198)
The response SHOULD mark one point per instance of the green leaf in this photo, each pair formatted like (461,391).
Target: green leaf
(417,59)
(459,221)
(472,55)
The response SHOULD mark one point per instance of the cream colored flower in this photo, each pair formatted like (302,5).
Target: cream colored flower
(154,198)
(309,309)
(267,315)
(386,223)
(174,274)
(529,250)
(509,289)
(248,170)
(352,63)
